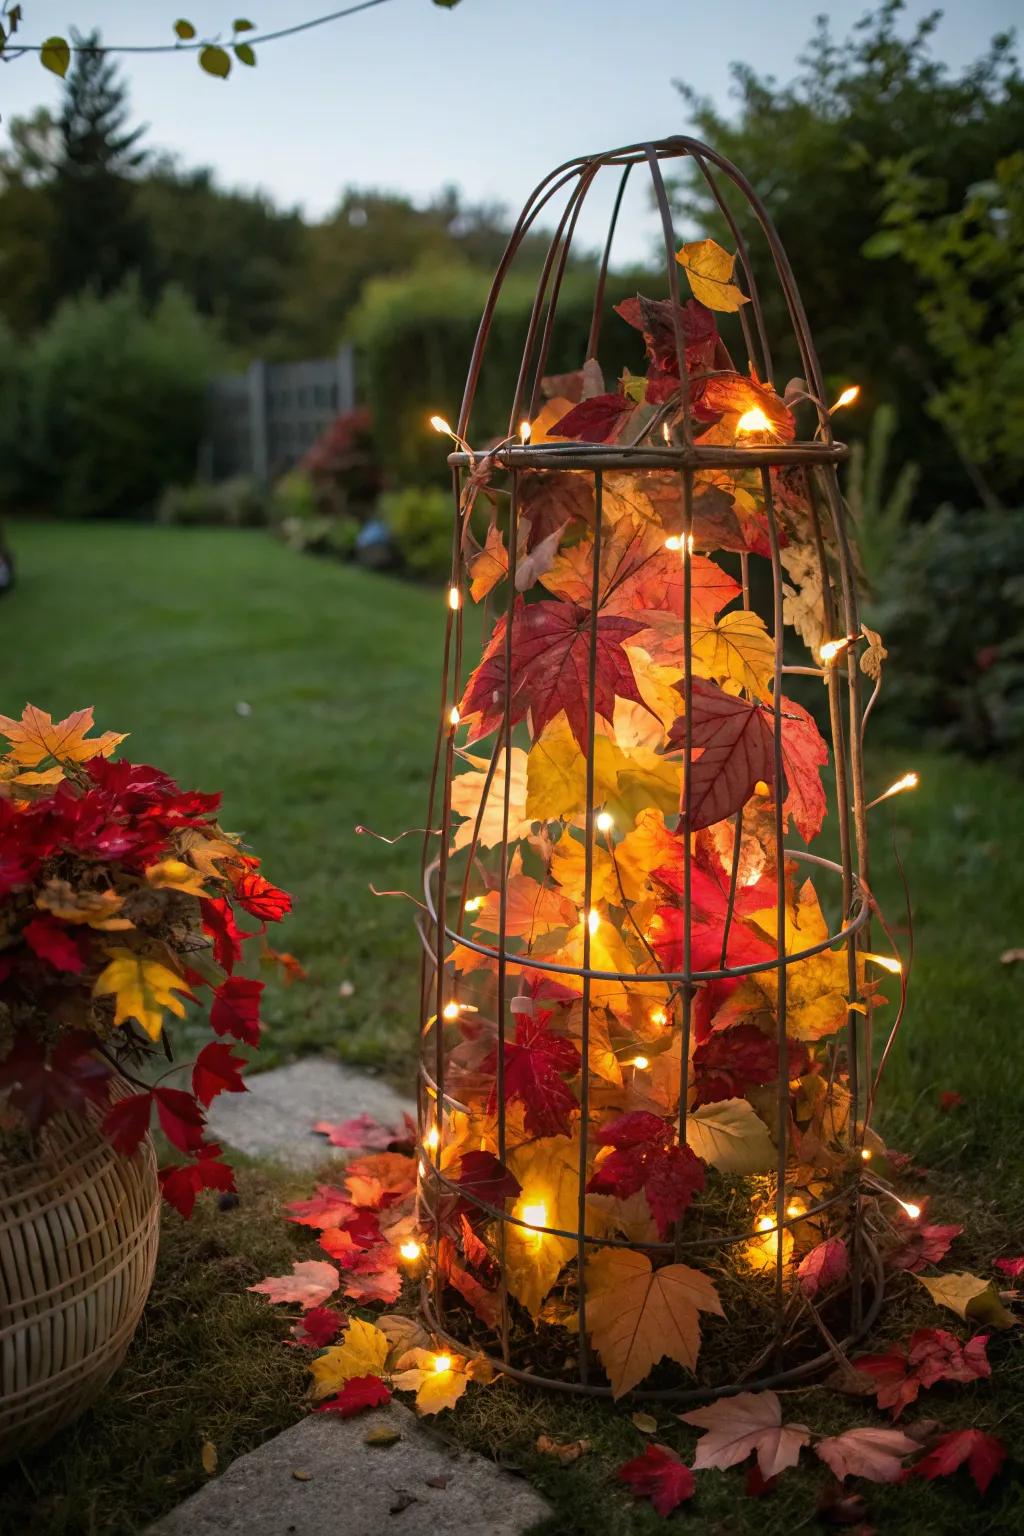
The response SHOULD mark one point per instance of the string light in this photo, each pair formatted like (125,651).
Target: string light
(605,822)
(866,1154)
(525,432)
(410,1250)
(659,1017)
(450,1011)
(641,1063)
(765,1224)
(454,717)
(442,1363)
(440,425)
(454,598)
(887,962)
(473,904)
(795,1208)
(675,541)
(593,920)
(912,1210)
(534,1216)
(848,396)
(432,1139)
(830,649)
(754,420)
(666,434)
(908,781)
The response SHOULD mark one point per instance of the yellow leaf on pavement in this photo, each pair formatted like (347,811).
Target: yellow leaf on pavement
(363,1351)
(99,909)
(709,270)
(637,1315)
(36,737)
(142,990)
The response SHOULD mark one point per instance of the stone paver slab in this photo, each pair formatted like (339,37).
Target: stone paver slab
(344,1487)
(275,1118)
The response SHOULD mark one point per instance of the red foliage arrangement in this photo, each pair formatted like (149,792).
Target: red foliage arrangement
(120,899)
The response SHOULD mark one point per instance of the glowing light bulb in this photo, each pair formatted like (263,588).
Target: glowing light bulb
(887,962)
(440,425)
(454,717)
(754,420)
(593,920)
(534,1215)
(912,1210)
(866,1154)
(432,1139)
(473,904)
(830,649)
(641,1062)
(525,432)
(442,1363)
(410,1250)
(666,434)
(659,1017)
(908,781)
(848,396)
(761,788)
(454,598)
(765,1224)
(673,541)
(604,821)
(794,1209)
(450,1011)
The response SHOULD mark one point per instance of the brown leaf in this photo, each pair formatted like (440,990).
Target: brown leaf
(563,1451)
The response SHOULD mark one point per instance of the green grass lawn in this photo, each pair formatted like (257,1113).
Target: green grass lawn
(166,631)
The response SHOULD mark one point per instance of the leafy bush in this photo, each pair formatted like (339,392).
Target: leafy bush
(298,515)
(342,466)
(111,398)
(951,610)
(235,503)
(420,518)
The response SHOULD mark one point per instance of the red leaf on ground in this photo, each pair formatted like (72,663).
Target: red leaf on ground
(596,420)
(54,942)
(984,1455)
(876,1454)
(309,1283)
(823,1267)
(362,1131)
(383,1285)
(1012,1268)
(757,1485)
(261,899)
(534,1063)
(924,1245)
(732,1060)
(950,1099)
(181,1119)
(181,1184)
(485,1303)
(329,1207)
(41,1085)
(127,1121)
(647,1157)
(219,923)
(358,1394)
(658,1475)
(319,1327)
(236,1009)
(217,1070)
(550,669)
(933,1355)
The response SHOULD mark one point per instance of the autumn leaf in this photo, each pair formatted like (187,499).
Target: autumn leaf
(817,987)
(597,420)
(736,742)
(489,565)
(317,1328)
(984,1455)
(535,1064)
(1012,1268)
(261,899)
(569,866)
(43,1083)
(709,271)
(731,1136)
(550,669)
(646,1156)
(804,754)
(547,1172)
(968,1297)
(310,1282)
(825,1265)
(876,1454)
(482,1176)
(748,1422)
(363,1351)
(127,1121)
(329,1207)
(436,1389)
(732,396)
(932,1355)
(657,320)
(95,909)
(174,875)
(736,649)
(467,792)
(142,990)
(659,1475)
(219,923)
(924,1243)
(636,1315)
(556,773)
(531,909)
(732,1060)
(217,1070)
(180,1185)
(36,737)
(361,1131)
(357,1395)
(52,942)
(236,1009)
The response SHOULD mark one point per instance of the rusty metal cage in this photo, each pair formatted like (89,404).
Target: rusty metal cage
(491,1252)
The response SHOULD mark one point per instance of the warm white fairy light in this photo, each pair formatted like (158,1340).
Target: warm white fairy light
(675,541)
(473,904)
(451,1011)
(525,432)
(848,396)
(641,1063)
(605,822)
(659,1017)
(454,598)
(440,425)
(887,962)
(830,649)
(593,920)
(765,1224)
(535,1215)
(442,1363)
(666,434)
(866,1154)
(754,420)
(410,1250)
(432,1139)
(795,1209)
(908,781)
(453,716)
(912,1210)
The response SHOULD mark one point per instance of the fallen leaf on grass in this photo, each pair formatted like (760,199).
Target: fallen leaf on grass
(319,1327)
(876,1454)
(658,1475)
(950,1099)
(363,1351)
(750,1421)
(933,1355)
(563,1451)
(311,1282)
(969,1298)
(646,1423)
(823,1267)
(984,1455)
(358,1394)
(1012,1268)
(435,1389)
(636,1316)
(208,1457)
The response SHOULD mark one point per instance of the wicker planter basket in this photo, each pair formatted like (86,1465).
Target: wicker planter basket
(78,1237)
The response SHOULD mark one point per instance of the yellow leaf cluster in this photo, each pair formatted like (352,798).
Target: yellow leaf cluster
(363,1351)
(709,271)
(142,990)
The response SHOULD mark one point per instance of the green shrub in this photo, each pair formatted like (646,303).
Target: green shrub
(951,611)
(235,503)
(420,518)
(297,512)
(112,395)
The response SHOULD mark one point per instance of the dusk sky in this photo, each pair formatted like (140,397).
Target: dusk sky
(490,95)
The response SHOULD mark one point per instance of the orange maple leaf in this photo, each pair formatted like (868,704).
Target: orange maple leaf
(35,737)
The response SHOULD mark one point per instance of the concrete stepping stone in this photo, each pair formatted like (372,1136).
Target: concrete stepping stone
(275,1118)
(321,1478)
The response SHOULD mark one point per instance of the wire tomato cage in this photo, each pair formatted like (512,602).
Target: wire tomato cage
(647,1069)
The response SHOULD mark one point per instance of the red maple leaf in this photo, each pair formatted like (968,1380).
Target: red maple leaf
(534,1064)
(736,744)
(656,319)
(550,669)
(984,1455)
(127,1121)
(180,1184)
(932,1355)
(804,754)
(707,930)
(329,1207)
(217,1070)
(41,1084)
(924,1245)
(658,1475)
(482,1176)
(380,1285)
(362,1131)
(317,1328)
(1012,1268)
(736,393)
(219,923)
(261,899)
(648,1157)
(55,942)
(358,1394)
(732,1060)
(823,1267)
(596,420)
(181,1119)
(485,1303)
(236,1009)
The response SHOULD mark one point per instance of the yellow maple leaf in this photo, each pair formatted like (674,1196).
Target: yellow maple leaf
(731,1136)
(637,1315)
(207,853)
(645,848)
(531,909)
(489,565)
(735,650)
(556,773)
(142,990)
(468,788)
(816,988)
(969,1297)
(363,1351)
(174,875)
(36,737)
(549,415)
(548,1171)
(709,271)
(98,909)
(568,869)
(438,1380)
